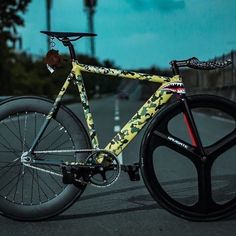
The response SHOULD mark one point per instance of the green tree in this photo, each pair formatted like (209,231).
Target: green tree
(10,17)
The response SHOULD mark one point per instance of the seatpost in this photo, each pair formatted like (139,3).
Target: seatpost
(66,42)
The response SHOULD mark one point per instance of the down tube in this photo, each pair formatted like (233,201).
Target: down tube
(132,128)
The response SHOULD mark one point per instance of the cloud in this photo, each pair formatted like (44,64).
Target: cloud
(161,5)
(170,5)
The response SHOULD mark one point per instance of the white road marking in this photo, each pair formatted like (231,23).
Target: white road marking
(222,119)
(117,126)
(216,118)
(120,158)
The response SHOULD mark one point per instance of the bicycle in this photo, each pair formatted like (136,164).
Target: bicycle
(48,157)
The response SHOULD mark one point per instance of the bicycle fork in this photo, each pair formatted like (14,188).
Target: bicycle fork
(191,127)
(204,165)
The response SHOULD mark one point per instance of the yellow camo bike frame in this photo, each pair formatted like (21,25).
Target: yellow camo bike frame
(169,86)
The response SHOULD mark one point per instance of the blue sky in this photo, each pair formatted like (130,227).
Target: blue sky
(140,33)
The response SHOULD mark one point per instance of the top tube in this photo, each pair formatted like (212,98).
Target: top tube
(77,68)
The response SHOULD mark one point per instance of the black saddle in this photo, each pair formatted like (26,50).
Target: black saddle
(67,34)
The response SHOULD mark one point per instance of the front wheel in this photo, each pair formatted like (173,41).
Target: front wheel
(178,176)
(28,193)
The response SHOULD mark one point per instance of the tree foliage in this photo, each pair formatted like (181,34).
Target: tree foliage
(10,15)
(24,75)
(20,74)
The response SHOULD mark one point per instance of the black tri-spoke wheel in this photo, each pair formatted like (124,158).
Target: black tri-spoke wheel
(181,179)
(36,191)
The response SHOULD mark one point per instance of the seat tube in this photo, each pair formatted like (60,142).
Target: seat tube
(85,104)
(67,43)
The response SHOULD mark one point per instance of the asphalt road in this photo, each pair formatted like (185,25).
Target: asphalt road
(126,208)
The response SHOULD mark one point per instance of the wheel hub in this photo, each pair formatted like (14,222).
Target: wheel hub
(25,157)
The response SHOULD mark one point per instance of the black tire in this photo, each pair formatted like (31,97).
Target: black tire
(26,193)
(191,187)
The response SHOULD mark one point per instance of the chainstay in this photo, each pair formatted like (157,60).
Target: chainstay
(60,175)
(60,151)
(73,163)
(50,172)
(73,151)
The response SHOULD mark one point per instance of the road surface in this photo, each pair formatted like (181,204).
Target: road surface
(125,208)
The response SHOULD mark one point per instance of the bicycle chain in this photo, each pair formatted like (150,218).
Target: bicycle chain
(41,169)
(66,151)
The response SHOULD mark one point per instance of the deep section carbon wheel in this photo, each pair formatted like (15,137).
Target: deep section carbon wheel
(28,193)
(180,179)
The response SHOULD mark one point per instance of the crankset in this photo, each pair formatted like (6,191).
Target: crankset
(100,169)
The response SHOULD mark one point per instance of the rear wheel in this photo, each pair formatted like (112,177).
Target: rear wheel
(28,193)
(178,177)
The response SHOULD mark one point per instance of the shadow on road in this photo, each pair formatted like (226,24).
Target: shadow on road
(145,201)
(102,213)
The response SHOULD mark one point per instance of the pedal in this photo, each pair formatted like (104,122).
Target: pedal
(68,175)
(133,171)
(71,176)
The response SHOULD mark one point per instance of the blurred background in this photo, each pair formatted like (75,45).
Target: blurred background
(139,35)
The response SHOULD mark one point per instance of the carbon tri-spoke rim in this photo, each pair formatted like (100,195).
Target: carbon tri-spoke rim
(180,178)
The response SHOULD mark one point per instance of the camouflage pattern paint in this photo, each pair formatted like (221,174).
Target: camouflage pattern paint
(121,73)
(145,113)
(85,104)
(132,128)
(59,97)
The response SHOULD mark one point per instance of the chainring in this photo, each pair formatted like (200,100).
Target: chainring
(107,168)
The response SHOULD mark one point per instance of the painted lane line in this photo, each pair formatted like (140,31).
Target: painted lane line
(222,119)
(218,118)
(116,128)
(117,118)
(120,158)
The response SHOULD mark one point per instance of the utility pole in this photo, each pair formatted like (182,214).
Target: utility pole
(90,9)
(48,20)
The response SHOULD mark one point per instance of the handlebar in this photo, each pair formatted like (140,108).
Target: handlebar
(194,63)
